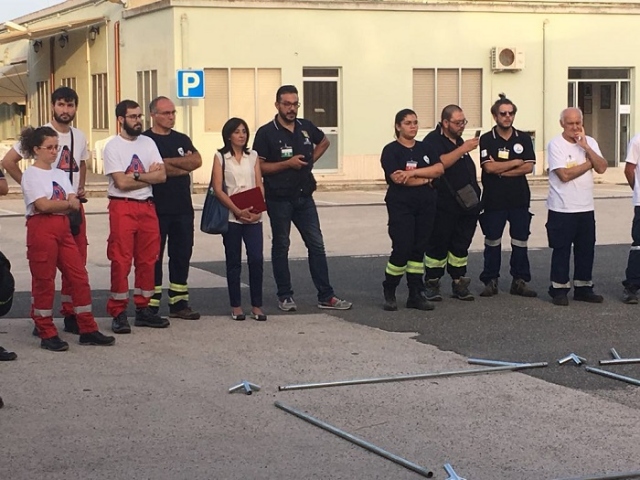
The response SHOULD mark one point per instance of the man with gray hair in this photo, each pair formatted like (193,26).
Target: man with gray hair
(174,207)
(572,156)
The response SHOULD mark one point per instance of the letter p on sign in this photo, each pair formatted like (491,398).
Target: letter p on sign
(190,83)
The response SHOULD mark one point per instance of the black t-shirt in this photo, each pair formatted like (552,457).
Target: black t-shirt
(396,156)
(274,143)
(173,196)
(461,173)
(502,193)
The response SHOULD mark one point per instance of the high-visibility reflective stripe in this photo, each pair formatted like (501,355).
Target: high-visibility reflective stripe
(492,243)
(120,296)
(82,309)
(519,243)
(178,298)
(635,247)
(561,285)
(42,313)
(176,287)
(395,270)
(582,283)
(65,298)
(158,289)
(144,293)
(457,261)
(434,262)
(415,267)
(154,302)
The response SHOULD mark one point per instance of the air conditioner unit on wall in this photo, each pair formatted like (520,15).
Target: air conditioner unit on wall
(506,58)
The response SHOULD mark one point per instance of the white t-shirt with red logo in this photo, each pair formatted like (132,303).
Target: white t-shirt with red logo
(129,156)
(64,160)
(38,183)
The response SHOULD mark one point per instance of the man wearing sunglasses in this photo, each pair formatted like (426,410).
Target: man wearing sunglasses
(506,157)
(72,158)
(458,206)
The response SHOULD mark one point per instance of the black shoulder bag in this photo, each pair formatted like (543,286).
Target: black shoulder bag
(466,196)
(75,217)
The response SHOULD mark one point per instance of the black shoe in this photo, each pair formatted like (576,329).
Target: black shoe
(71,325)
(55,344)
(519,287)
(582,294)
(185,314)
(6,356)
(120,324)
(432,290)
(417,299)
(561,300)
(491,288)
(34,332)
(146,318)
(390,302)
(460,289)
(96,338)
(630,296)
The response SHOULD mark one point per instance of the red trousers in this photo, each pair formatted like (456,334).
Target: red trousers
(50,245)
(82,243)
(134,236)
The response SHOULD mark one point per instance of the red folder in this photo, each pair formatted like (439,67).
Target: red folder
(250,198)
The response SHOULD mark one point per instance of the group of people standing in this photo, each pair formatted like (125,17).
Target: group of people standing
(150,207)
(434,204)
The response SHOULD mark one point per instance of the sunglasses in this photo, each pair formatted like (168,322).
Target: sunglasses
(510,113)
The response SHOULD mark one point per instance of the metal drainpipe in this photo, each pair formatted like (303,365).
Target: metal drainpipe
(52,67)
(116,59)
(184,62)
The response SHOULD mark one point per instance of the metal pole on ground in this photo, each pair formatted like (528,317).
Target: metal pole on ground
(356,440)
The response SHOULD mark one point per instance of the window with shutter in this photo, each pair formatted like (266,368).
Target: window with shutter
(424,99)
(471,96)
(216,103)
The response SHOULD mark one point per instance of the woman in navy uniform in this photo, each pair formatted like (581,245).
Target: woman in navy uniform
(411,205)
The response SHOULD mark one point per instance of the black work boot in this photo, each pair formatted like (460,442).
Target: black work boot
(418,299)
(520,287)
(491,288)
(460,289)
(432,290)
(71,324)
(390,303)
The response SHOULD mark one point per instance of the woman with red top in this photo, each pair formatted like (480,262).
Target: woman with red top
(49,197)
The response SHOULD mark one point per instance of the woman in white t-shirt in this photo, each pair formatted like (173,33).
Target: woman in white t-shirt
(49,197)
(241,173)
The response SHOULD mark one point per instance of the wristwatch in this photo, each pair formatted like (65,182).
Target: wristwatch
(136,176)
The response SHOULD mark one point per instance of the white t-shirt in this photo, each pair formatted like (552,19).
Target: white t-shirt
(633,157)
(576,195)
(239,176)
(63,161)
(128,156)
(39,183)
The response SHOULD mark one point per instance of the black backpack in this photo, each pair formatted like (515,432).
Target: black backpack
(7,285)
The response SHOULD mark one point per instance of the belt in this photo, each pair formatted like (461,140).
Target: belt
(146,200)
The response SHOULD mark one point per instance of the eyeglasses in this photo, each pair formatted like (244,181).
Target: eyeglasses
(172,112)
(510,113)
(51,148)
(289,104)
(459,123)
(134,117)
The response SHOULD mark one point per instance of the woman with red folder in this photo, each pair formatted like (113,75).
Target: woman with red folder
(236,169)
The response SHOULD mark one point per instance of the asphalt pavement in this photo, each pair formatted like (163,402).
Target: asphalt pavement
(157,405)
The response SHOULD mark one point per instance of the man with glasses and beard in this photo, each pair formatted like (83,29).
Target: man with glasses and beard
(506,157)
(457,209)
(174,207)
(133,164)
(72,159)
(288,147)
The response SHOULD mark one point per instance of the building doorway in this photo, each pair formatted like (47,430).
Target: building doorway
(604,96)
(320,103)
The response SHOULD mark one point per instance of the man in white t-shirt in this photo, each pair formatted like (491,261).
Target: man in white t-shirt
(571,219)
(132,163)
(73,161)
(632,172)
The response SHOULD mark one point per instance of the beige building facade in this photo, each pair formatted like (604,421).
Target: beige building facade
(355,64)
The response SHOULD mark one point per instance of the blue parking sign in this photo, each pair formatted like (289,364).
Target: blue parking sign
(190,83)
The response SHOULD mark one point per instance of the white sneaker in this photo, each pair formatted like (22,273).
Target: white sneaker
(287,304)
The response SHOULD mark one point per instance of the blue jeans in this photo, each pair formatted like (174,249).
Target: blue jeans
(302,212)
(252,236)
(492,223)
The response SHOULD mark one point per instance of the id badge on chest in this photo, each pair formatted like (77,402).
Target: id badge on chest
(503,154)
(411,165)
(286,152)
(571,162)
